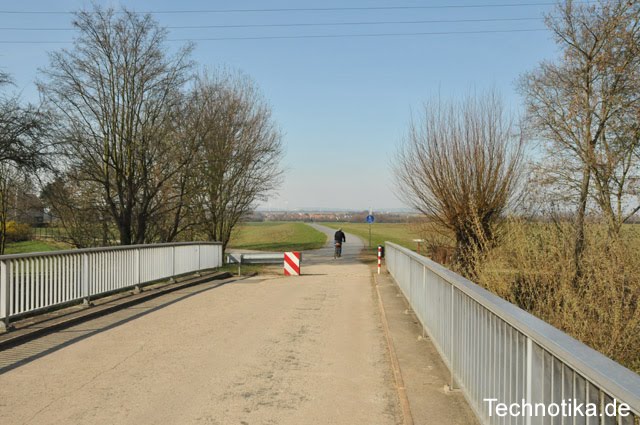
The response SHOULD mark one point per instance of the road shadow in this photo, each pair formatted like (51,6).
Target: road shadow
(14,357)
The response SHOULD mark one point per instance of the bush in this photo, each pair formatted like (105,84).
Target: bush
(17,232)
(533,268)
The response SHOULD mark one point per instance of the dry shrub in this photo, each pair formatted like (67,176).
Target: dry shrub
(533,268)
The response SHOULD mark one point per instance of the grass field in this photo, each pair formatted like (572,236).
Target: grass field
(277,236)
(399,233)
(33,246)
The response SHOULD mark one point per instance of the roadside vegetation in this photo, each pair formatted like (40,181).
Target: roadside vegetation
(277,236)
(550,233)
(533,267)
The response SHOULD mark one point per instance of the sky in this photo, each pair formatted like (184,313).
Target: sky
(342,93)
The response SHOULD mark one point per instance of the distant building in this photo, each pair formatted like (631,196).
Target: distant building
(28,208)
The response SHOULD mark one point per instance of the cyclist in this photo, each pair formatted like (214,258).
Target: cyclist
(338,240)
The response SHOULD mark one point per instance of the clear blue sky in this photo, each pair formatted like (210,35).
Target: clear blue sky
(342,103)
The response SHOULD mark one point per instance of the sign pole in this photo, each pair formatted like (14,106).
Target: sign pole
(370,219)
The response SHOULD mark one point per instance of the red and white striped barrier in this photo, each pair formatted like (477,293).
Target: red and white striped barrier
(292,263)
(379,258)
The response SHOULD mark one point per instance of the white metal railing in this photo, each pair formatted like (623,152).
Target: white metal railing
(495,350)
(38,281)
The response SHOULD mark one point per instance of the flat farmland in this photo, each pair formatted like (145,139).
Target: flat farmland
(277,236)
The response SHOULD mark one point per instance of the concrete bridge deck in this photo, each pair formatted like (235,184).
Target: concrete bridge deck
(260,350)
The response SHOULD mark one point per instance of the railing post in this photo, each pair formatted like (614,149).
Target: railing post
(5,294)
(528,378)
(85,280)
(452,383)
(137,277)
(198,255)
(173,263)
(410,289)
(426,301)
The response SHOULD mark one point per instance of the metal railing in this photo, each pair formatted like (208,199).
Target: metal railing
(256,258)
(33,282)
(495,350)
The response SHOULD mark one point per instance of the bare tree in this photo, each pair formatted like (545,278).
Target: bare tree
(586,106)
(84,216)
(24,148)
(240,151)
(24,131)
(174,211)
(116,92)
(459,166)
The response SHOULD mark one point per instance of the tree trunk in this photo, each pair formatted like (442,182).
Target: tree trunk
(124,229)
(105,232)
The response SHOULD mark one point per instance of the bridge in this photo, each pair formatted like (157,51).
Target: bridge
(338,345)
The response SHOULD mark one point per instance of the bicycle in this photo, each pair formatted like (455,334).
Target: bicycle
(338,251)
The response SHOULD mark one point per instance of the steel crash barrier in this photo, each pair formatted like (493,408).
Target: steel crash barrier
(30,283)
(500,355)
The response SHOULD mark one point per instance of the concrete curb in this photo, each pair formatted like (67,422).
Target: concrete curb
(31,332)
(407,418)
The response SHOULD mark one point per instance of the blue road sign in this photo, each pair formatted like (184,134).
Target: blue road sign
(370,219)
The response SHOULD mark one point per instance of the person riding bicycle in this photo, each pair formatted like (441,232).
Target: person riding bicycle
(339,239)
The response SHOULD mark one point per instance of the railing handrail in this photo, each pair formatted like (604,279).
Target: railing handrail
(101,249)
(611,376)
(35,281)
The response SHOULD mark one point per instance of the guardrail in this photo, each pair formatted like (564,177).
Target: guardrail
(33,282)
(495,350)
(256,258)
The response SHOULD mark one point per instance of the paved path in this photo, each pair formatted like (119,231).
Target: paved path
(299,350)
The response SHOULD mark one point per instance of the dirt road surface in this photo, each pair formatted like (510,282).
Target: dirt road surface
(276,350)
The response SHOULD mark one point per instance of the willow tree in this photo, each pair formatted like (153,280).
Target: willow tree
(115,93)
(459,166)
